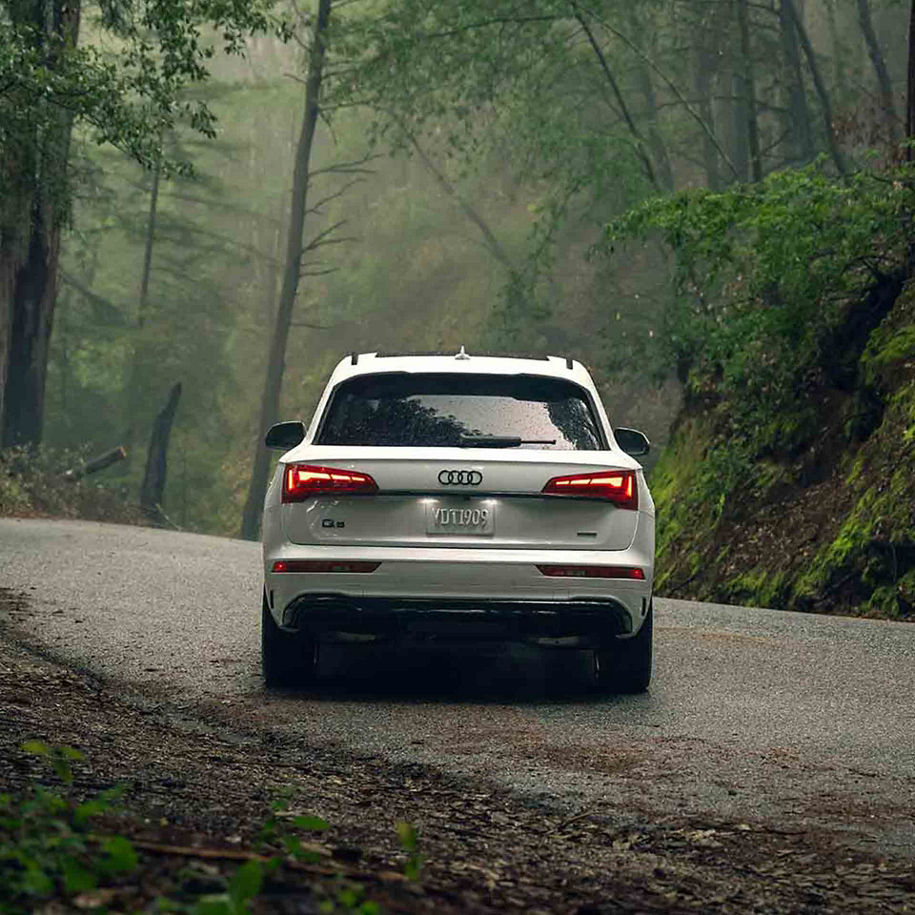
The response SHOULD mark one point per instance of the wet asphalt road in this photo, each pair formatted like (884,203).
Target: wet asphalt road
(794,720)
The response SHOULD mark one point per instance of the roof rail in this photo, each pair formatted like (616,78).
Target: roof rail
(355,358)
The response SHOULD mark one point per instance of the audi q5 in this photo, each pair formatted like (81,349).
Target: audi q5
(459,497)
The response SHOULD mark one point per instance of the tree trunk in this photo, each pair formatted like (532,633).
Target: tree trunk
(797,111)
(839,77)
(276,361)
(910,93)
(620,102)
(706,40)
(152,492)
(32,212)
(133,369)
(655,140)
(822,92)
(7,282)
(748,88)
(884,85)
(646,87)
(740,147)
(34,293)
(740,143)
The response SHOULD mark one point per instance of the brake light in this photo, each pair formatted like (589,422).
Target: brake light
(322,565)
(616,486)
(631,572)
(300,481)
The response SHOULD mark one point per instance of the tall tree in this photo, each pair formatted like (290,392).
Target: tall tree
(797,125)
(910,88)
(822,91)
(133,368)
(746,84)
(884,85)
(706,34)
(645,85)
(127,96)
(295,251)
(34,209)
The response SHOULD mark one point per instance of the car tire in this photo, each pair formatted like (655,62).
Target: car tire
(287,658)
(624,665)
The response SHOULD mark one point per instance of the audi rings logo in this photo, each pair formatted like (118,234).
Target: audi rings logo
(460,478)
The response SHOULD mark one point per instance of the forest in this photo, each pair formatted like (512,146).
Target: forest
(708,202)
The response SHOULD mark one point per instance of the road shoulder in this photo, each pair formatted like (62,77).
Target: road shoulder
(194,784)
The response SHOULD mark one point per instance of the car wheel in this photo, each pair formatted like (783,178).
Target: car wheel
(624,665)
(287,658)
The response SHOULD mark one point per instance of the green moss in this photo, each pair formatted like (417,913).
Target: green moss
(890,345)
(684,510)
(881,521)
(757,588)
(709,478)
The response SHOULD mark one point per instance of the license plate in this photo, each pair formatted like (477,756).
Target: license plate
(475,518)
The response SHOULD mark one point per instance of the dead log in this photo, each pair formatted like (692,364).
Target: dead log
(153,489)
(94,465)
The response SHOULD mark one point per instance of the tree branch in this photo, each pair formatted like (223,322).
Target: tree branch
(673,88)
(624,110)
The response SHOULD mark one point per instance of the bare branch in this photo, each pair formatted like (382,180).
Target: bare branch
(322,235)
(344,239)
(672,86)
(490,241)
(339,193)
(349,168)
(486,23)
(624,110)
(320,272)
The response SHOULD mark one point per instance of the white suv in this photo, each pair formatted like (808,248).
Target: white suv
(459,497)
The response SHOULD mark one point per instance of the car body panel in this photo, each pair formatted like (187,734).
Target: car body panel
(413,506)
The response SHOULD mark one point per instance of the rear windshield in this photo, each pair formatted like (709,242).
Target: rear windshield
(452,410)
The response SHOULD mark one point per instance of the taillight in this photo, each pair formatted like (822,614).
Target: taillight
(322,565)
(616,486)
(633,573)
(300,481)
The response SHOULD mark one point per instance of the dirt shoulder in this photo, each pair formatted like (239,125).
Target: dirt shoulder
(206,789)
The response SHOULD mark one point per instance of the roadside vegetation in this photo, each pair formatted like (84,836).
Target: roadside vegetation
(789,480)
(59,844)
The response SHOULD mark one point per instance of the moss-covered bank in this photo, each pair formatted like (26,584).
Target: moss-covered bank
(820,515)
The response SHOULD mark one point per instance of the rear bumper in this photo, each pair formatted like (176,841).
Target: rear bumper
(568,623)
(441,592)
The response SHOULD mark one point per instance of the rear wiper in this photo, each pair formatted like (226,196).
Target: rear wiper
(501,441)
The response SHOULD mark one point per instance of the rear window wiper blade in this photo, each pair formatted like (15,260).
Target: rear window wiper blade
(501,441)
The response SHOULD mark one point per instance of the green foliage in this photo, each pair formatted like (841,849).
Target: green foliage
(764,275)
(276,829)
(762,271)
(242,888)
(758,588)
(46,845)
(409,842)
(48,850)
(128,90)
(779,318)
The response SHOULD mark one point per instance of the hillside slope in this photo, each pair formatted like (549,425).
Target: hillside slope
(827,522)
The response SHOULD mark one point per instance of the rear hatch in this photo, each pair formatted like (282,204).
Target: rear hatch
(464,499)
(460,461)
